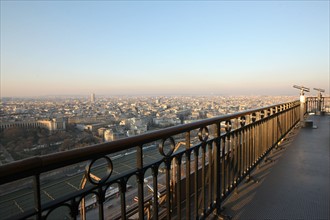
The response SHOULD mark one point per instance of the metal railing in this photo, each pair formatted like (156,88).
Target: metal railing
(318,104)
(189,173)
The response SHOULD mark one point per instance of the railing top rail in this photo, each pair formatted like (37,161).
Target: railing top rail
(315,97)
(40,164)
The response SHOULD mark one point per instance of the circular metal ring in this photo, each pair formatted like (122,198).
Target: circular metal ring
(204,131)
(253,117)
(161,147)
(108,171)
(228,126)
(262,114)
(242,120)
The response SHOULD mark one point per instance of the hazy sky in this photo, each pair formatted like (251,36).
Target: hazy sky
(163,47)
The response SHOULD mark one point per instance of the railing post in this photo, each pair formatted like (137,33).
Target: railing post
(196,182)
(37,195)
(168,188)
(218,169)
(319,103)
(123,199)
(302,108)
(101,201)
(178,187)
(187,175)
(140,181)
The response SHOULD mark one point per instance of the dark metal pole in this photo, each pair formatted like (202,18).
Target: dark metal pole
(188,175)
(140,181)
(218,169)
(37,196)
(155,194)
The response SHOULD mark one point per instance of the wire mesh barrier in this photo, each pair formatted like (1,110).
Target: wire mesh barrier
(184,171)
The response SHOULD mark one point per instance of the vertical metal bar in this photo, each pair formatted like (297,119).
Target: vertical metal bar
(267,131)
(258,139)
(37,196)
(168,188)
(173,181)
(234,160)
(256,142)
(188,175)
(223,166)
(250,147)
(196,181)
(241,154)
(228,158)
(286,121)
(265,134)
(228,151)
(203,191)
(218,169)
(244,153)
(74,209)
(292,116)
(210,165)
(245,148)
(215,171)
(140,181)
(261,137)
(274,127)
(123,199)
(237,158)
(270,127)
(247,145)
(101,202)
(178,185)
(231,161)
(155,193)
(252,140)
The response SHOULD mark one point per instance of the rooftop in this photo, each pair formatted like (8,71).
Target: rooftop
(151,175)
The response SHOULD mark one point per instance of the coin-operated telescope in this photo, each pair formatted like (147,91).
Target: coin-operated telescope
(319,99)
(302,89)
(320,92)
(302,102)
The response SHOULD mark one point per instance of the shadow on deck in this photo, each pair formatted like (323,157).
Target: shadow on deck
(294,184)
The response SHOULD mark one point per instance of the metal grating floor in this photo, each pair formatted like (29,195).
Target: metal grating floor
(295,185)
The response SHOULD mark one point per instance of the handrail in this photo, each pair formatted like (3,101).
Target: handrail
(39,164)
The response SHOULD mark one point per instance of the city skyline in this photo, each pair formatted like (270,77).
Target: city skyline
(163,48)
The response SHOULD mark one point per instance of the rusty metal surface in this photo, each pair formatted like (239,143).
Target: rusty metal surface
(295,185)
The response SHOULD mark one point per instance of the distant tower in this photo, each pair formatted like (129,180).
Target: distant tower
(92,98)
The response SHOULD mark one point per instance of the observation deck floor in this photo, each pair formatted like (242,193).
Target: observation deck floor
(295,184)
